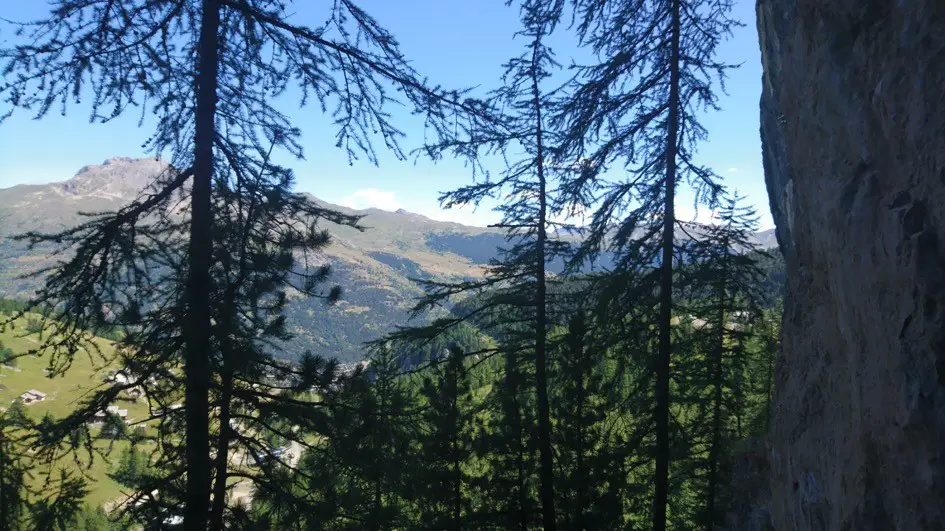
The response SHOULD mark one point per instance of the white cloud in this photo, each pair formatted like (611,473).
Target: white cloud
(371,198)
(464,214)
(703,215)
(733,170)
(484,215)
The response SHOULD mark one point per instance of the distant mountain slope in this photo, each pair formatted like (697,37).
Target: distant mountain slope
(374,267)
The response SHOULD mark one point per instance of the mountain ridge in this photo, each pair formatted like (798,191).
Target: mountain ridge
(375,267)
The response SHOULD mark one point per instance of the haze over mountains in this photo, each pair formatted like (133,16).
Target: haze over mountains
(375,267)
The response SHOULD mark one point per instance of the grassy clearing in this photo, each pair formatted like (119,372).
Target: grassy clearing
(102,488)
(64,394)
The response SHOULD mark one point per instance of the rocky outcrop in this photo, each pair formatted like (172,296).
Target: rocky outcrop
(853,127)
(118,177)
(749,509)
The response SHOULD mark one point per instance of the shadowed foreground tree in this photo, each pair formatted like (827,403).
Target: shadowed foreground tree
(506,442)
(211,72)
(358,476)
(12,470)
(591,473)
(445,445)
(514,295)
(724,281)
(637,111)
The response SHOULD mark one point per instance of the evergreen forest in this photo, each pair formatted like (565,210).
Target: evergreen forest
(609,370)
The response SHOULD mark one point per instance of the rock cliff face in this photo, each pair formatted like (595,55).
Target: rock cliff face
(853,126)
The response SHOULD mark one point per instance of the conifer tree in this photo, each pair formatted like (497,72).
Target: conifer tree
(389,454)
(591,476)
(258,249)
(506,443)
(726,278)
(768,330)
(6,356)
(637,111)
(445,445)
(12,470)
(357,476)
(327,489)
(131,466)
(211,71)
(515,295)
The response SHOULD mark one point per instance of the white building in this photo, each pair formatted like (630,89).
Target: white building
(33,396)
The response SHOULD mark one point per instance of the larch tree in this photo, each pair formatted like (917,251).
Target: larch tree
(725,280)
(636,113)
(212,73)
(516,286)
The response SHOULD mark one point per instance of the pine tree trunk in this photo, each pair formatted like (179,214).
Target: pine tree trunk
(511,362)
(739,385)
(661,494)
(223,453)
(717,373)
(197,358)
(583,487)
(456,470)
(546,467)
(221,460)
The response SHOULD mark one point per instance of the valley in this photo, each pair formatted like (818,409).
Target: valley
(375,267)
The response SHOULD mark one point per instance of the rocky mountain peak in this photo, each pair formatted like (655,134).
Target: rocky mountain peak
(117,177)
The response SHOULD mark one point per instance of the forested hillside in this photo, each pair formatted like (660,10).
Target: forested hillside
(375,267)
(543,373)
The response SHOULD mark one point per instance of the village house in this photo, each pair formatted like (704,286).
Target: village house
(134,393)
(100,416)
(169,410)
(119,377)
(33,396)
(122,413)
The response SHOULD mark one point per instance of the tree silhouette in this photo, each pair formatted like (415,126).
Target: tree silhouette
(591,473)
(211,71)
(12,469)
(724,278)
(515,290)
(445,445)
(636,111)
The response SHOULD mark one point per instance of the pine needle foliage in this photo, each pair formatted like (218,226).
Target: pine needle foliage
(724,283)
(514,295)
(212,73)
(445,445)
(633,127)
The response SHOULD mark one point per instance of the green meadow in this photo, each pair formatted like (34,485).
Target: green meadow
(63,394)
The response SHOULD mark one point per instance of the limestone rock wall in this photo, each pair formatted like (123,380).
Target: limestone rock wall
(853,127)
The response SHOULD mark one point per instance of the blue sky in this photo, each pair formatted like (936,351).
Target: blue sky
(457,43)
